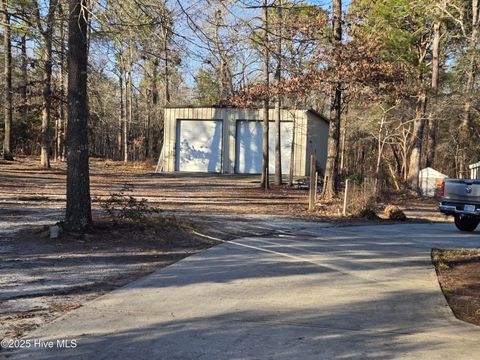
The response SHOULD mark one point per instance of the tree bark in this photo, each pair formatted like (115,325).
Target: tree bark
(166,74)
(8,105)
(465,127)
(278,104)
(78,215)
(120,118)
(126,118)
(148,118)
(158,120)
(292,151)
(432,123)
(24,77)
(343,144)
(124,123)
(63,79)
(331,170)
(62,118)
(264,181)
(47,35)
(46,93)
(129,108)
(417,139)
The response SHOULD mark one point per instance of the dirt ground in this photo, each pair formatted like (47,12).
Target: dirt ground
(40,278)
(459,276)
(24,184)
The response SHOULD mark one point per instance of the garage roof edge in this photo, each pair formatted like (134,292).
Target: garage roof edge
(314,112)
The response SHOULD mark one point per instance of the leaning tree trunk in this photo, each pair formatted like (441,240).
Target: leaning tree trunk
(264,181)
(331,170)
(8,105)
(78,216)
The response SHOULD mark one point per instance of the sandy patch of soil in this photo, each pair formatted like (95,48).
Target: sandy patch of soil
(459,276)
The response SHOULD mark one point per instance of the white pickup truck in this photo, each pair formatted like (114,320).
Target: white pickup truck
(461,198)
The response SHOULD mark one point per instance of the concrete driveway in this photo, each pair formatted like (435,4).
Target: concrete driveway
(311,292)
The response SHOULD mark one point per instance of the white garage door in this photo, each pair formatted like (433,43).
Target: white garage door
(249,147)
(199,145)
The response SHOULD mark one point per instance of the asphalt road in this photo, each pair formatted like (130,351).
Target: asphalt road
(310,292)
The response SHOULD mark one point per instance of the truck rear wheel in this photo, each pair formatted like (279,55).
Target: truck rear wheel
(466,223)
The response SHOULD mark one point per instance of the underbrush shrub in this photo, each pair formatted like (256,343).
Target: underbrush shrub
(362,199)
(367,209)
(123,206)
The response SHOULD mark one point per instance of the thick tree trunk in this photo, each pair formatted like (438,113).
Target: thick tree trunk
(331,170)
(278,105)
(78,215)
(8,90)
(264,181)
(417,139)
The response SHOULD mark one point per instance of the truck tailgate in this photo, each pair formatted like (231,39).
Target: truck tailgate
(462,190)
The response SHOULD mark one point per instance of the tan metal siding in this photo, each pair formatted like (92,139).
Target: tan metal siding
(305,142)
(318,139)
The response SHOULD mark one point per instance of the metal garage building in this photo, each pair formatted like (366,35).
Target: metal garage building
(229,140)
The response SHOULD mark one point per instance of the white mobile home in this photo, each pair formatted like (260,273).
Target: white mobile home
(229,140)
